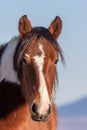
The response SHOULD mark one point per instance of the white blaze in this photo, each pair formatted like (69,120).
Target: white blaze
(44,97)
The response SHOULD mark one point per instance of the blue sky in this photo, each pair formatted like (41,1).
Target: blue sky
(73,39)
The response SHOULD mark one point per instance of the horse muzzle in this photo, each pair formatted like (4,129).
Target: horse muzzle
(39,117)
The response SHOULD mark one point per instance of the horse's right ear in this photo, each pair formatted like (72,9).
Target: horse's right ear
(24,25)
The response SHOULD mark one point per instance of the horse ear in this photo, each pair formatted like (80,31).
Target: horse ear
(55,27)
(24,25)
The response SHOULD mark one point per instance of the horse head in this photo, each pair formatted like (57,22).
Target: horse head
(37,55)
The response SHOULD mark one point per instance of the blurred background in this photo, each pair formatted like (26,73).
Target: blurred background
(71,91)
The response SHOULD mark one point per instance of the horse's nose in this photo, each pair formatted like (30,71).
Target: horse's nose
(35,114)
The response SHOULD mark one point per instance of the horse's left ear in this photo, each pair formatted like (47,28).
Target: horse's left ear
(55,27)
(24,25)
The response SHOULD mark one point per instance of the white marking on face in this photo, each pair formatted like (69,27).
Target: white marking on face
(6,68)
(27,55)
(44,97)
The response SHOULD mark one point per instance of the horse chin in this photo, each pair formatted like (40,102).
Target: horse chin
(39,118)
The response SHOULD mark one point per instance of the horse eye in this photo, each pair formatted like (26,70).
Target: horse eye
(56,61)
(23,61)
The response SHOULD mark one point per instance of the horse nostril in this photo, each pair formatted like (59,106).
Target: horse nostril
(34,109)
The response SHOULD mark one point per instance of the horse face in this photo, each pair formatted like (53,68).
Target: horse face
(37,74)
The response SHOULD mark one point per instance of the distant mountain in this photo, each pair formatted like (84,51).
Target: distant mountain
(78,108)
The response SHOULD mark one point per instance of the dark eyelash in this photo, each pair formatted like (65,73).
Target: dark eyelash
(56,61)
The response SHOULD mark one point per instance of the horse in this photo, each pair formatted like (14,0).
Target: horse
(27,77)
